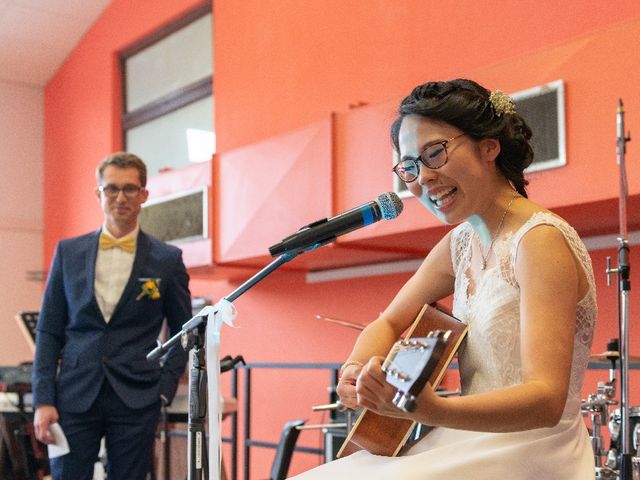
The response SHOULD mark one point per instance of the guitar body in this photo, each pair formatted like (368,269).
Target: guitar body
(386,436)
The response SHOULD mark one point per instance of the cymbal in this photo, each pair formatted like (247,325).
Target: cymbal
(607,357)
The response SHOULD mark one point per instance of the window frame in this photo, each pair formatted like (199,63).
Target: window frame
(172,101)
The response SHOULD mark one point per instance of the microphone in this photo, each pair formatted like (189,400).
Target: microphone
(386,207)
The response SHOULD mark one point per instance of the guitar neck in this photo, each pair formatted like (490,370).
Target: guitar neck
(386,436)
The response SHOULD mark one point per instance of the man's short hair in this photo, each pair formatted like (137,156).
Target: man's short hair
(123,160)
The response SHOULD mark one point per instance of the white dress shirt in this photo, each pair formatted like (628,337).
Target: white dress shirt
(113,269)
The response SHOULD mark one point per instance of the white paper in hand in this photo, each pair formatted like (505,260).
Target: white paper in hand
(61,446)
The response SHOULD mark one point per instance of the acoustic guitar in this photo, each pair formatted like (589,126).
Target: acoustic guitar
(423,356)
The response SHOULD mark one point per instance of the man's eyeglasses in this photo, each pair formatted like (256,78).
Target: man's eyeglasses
(112,191)
(433,156)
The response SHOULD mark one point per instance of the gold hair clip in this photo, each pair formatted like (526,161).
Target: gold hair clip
(501,103)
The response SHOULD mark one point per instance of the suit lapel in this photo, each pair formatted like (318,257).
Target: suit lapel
(92,253)
(133,285)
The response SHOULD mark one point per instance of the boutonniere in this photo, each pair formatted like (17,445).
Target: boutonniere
(149,288)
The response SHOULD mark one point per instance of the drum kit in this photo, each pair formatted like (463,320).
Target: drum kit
(601,411)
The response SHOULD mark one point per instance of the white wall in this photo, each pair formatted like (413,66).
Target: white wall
(21,212)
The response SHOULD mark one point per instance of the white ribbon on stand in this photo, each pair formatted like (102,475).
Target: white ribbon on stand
(221,313)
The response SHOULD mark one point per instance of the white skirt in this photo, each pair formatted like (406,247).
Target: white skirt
(560,453)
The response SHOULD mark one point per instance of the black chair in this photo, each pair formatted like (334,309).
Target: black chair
(284,452)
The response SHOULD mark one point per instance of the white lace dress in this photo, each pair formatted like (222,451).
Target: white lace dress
(490,359)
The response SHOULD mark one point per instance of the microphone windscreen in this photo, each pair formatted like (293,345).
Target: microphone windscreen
(390,205)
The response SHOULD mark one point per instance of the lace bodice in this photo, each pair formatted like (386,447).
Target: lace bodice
(490,357)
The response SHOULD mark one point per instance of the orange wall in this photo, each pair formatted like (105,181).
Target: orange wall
(282,65)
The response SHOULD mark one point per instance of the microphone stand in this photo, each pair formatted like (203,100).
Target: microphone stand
(624,286)
(192,338)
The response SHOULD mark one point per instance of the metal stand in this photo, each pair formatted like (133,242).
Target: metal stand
(194,340)
(624,286)
(192,337)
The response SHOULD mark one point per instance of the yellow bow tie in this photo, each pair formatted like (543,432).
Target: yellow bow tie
(127,243)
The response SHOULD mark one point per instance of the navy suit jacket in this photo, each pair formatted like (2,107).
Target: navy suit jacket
(76,349)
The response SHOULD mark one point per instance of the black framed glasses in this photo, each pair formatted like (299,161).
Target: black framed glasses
(433,157)
(112,191)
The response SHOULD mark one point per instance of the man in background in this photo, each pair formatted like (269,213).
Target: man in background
(106,297)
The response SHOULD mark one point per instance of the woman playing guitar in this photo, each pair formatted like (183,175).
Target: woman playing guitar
(522,283)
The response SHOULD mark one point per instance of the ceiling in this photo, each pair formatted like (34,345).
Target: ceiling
(36,36)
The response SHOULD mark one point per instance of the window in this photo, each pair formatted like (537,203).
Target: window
(168,102)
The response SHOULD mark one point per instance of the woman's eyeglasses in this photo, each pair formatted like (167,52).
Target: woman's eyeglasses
(433,156)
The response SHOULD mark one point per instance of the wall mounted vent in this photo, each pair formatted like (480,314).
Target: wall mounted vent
(177,218)
(542,108)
